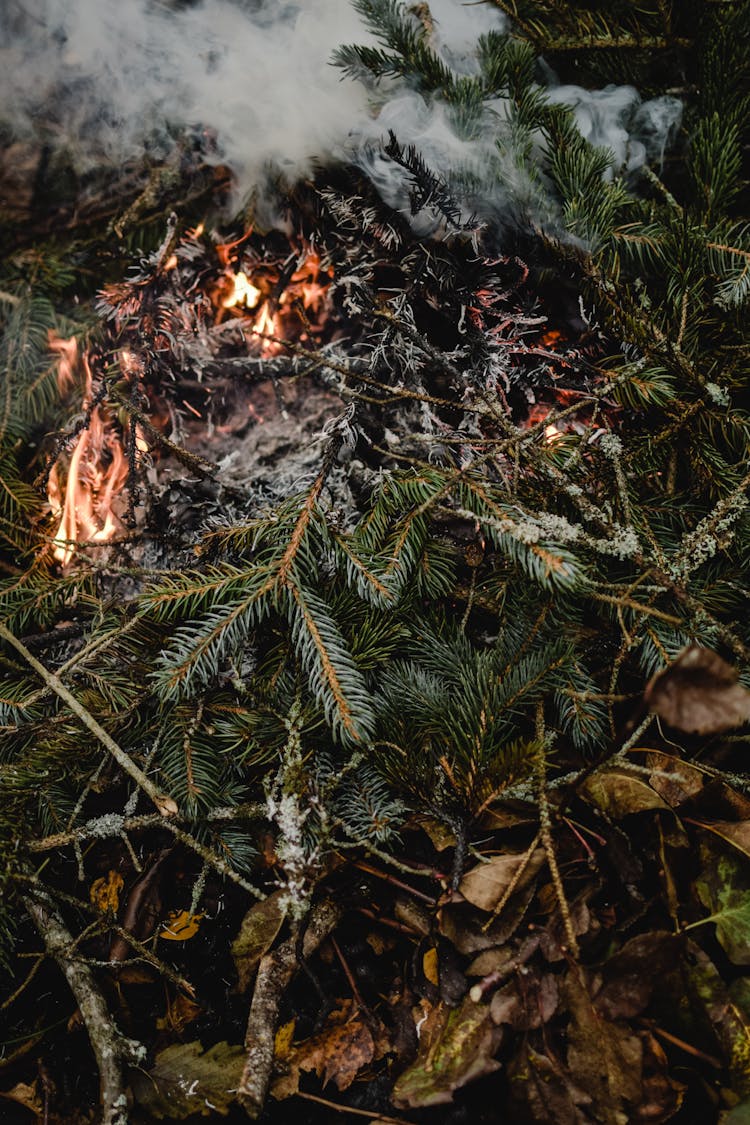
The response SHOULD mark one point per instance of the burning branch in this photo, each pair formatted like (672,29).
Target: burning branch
(97,470)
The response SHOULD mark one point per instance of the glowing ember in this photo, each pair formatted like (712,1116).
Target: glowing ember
(243,293)
(97,470)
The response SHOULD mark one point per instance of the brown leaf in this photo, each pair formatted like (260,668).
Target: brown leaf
(543,1092)
(684,781)
(257,934)
(604,1058)
(484,885)
(28,1096)
(631,975)
(455,1047)
(738,835)
(180,1012)
(504,1005)
(662,1094)
(553,939)
(490,961)
(618,793)
(341,1049)
(529,1007)
(467,929)
(166,805)
(699,693)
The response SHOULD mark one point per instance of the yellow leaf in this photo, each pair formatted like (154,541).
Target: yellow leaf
(181,925)
(105,892)
(283,1041)
(430,966)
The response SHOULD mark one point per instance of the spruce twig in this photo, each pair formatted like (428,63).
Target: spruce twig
(164,803)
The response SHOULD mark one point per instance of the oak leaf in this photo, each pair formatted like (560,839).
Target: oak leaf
(345,1045)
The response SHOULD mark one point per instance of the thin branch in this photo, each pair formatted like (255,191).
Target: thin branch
(111,1050)
(165,804)
(545,832)
(275,973)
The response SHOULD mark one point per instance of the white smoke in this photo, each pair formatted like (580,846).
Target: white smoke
(617,119)
(614,118)
(457,26)
(108,79)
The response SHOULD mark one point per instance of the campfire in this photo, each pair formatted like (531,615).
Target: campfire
(249,308)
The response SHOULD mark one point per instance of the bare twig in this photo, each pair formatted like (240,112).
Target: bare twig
(113,824)
(375,1118)
(275,973)
(165,804)
(545,832)
(111,1050)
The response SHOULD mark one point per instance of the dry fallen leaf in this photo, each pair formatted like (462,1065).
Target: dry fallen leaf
(28,1096)
(484,885)
(618,793)
(737,834)
(346,1044)
(699,693)
(282,1043)
(456,1046)
(166,805)
(258,932)
(544,1092)
(181,925)
(604,1058)
(430,965)
(185,1080)
(631,975)
(105,892)
(180,1012)
(674,779)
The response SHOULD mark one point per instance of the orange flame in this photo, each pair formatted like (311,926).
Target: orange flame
(305,288)
(97,470)
(243,293)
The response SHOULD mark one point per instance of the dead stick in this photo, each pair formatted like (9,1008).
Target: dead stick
(199,465)
(111,824)
(164,803)
(275,974)
(111,1050)
(545,832)
(375,1118)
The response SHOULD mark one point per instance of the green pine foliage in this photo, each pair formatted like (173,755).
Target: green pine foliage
(395,661)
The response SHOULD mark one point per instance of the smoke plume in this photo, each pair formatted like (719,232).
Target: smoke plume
(107,81)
